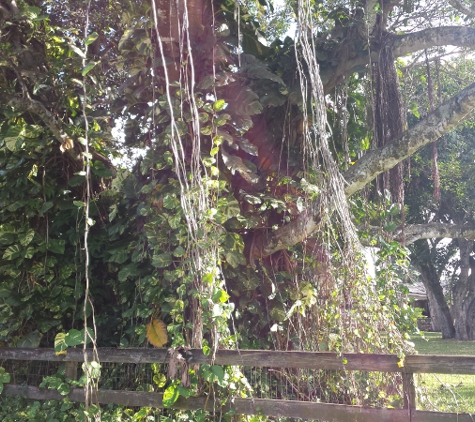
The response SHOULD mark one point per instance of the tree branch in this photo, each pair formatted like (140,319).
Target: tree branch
(457,36)
(35,107)
(31,105)
(440,121)
(402,45)
(462,7)
(415,232)
(436,231)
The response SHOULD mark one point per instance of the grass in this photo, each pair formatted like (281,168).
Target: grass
(433,344)
(445,393)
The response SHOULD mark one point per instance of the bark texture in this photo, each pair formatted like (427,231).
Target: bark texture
(457,36)
(464,294)
(462,7)
(415,232)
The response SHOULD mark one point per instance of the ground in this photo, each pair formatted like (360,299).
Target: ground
(445,393)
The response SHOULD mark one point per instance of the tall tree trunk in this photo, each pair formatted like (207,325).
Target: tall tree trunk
(435,312)
(431,280)
(437,303)
(464,294)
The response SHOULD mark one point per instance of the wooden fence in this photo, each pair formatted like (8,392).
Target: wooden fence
(436,364)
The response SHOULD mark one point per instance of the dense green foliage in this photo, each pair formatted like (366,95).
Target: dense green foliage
(210,157)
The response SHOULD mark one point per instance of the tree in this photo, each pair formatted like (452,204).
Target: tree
(240,200)
(439,193)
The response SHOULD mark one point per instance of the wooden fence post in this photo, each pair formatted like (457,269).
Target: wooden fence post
(71,370)
(409,391)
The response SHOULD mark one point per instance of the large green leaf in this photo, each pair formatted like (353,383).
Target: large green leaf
(13,139)
(56,246)
(12,252)
(235,259)
(162,260)
(170,395)
(30,340)
(26,238)
(129,270)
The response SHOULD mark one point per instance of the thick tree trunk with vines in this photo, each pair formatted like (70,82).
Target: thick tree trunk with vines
(464,294)
(437,303)
(431,280)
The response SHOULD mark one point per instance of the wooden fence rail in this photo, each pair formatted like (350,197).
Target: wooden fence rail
(439,364)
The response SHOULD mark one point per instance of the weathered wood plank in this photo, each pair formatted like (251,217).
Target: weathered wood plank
(321,411)
(29,392)
(424,416)
(132,355)
(126,398)
(255,358)
(305,360)
(440,364)
(266,407)
(141,399)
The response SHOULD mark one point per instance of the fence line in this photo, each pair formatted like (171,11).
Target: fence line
(440,364)
(432,364)
(267,407)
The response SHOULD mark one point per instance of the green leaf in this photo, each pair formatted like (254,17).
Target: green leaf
(4,376)
(219,105)
(185,392)
(129,270)
(170,201)
(60,344)
(56,246)
(46,206)
(207,130)
(13,138)
(29,252)
(31,340)
(390,227)
(160,380)
(163,260)
(26,238)
(76,180)
(88,68)
(119,256)
(179,252)
(63,389)
(171,394)
(127,34)
(79,204)
(78,51)
(220,296)
(203,117)
(12,252)
(31,12)
(254,200)
(74,337)
(218,371)
(91,38)
(235,259)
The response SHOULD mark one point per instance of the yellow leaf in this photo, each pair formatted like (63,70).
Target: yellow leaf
(157,333)
(62,352)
